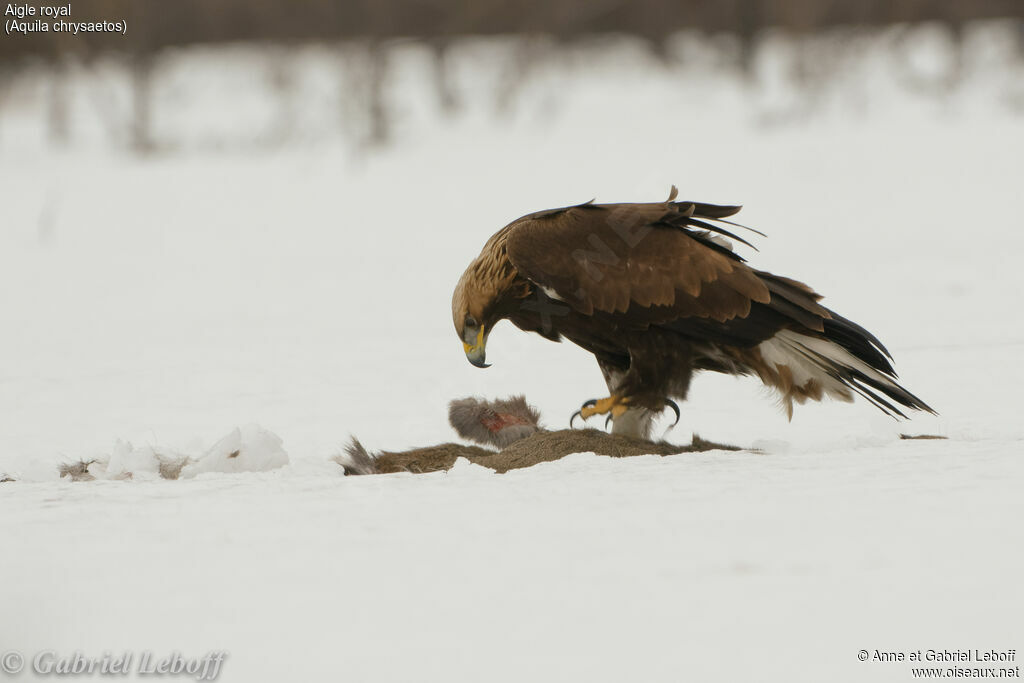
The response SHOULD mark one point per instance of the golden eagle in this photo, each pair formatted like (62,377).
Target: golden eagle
(656,292)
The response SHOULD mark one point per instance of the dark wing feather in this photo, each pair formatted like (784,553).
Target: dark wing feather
(643,258)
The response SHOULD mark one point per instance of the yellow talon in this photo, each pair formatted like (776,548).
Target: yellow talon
(616,405)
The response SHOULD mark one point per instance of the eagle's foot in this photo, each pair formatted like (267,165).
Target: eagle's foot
(613,407)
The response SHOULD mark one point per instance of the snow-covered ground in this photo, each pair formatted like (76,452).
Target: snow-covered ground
(162,302)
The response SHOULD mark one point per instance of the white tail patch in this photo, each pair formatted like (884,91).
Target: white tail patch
(811,363)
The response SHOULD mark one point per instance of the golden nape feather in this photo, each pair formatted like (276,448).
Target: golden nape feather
(656,292)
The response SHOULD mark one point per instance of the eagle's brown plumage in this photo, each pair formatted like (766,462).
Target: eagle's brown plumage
(655,293)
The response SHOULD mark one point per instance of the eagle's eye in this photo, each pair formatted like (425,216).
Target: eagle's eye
(470,330)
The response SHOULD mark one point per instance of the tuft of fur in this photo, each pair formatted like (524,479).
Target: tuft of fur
(356,459)
(497,423)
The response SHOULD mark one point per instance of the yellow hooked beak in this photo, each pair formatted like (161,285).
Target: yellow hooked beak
(476,352)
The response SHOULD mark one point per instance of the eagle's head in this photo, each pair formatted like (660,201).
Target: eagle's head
(472,313)
(487,292)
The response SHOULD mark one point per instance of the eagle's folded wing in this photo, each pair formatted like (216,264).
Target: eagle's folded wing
(649,261)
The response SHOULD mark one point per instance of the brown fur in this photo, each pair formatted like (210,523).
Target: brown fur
(540,447)
(470,417)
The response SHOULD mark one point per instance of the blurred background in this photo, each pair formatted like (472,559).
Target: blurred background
(318,69)
(251,211)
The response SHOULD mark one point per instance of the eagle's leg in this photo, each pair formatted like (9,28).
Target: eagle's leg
(637,421)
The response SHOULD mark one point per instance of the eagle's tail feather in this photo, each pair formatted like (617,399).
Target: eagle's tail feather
(715,211)
(720,230)
(859,342)
(802,366)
